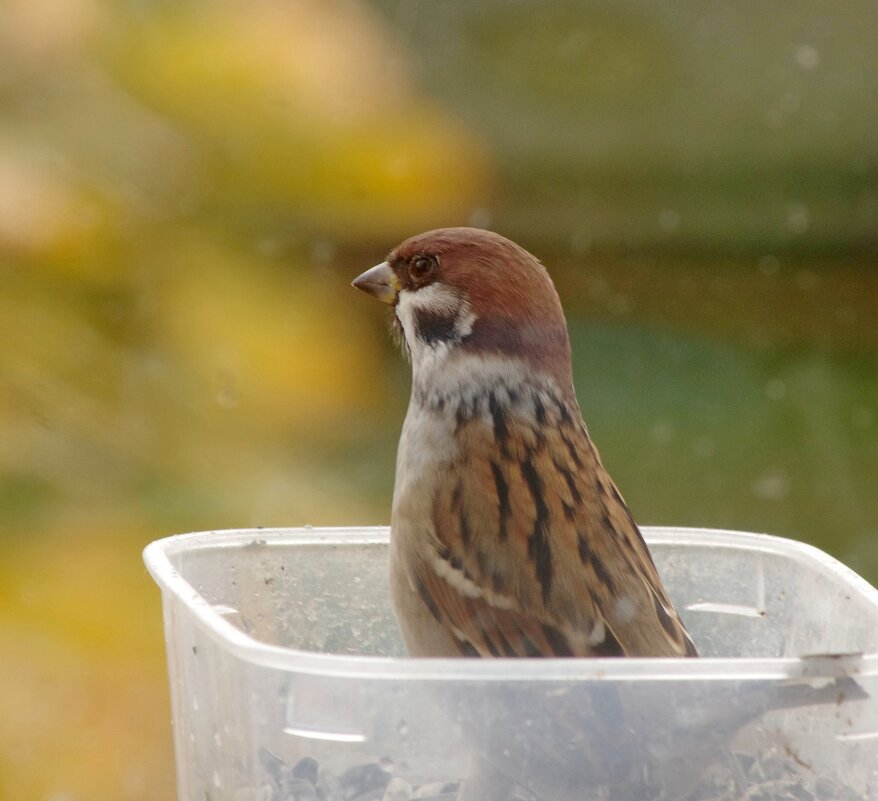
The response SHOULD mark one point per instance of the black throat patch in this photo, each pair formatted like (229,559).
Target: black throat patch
(433,328)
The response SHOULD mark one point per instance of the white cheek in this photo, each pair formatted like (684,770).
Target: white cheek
(405,313)
(436,299)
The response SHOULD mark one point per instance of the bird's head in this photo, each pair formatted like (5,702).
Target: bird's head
(465,291)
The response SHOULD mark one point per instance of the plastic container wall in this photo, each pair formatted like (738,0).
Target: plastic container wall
(288,681)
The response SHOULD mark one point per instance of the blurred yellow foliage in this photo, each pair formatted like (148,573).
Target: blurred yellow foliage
(82,684)
(45,219)
(313,62)
(179,344)
(39,35)
(270,343)
(307,104)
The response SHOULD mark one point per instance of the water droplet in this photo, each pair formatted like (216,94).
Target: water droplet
(797,218)
(703,448)
(669,220)
(773,485)
(862,417)
(789,103)
(625,609)
(774,119)
(322,252)
(228,396)
(776,389)
(846,315)
(806,279)
(402,728)
(386,763)
(807,57)
(769,265)
(580,242)
(619,304)
(480,218)
(268,246)
(662,433)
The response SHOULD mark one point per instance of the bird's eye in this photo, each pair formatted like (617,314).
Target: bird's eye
(421,266)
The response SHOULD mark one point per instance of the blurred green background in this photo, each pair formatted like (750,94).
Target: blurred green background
(187,188)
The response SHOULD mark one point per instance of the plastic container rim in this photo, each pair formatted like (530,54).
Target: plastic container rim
(157,557)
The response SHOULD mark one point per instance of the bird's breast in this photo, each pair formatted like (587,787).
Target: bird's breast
(427,446)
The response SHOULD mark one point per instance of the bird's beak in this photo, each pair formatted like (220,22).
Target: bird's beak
(380,282)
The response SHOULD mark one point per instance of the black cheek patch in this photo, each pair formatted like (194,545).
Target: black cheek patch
(432,328)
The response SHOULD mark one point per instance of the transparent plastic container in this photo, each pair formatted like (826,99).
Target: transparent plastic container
(289,681)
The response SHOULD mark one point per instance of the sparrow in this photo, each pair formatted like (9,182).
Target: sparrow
(510,539)
(508,536)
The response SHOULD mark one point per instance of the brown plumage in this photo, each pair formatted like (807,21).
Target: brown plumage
(509,538)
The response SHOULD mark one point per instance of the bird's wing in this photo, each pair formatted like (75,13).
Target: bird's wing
(535,552)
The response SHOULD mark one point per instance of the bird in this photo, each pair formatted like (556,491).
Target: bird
(509,538)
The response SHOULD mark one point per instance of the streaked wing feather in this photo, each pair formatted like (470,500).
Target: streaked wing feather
(536,553)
